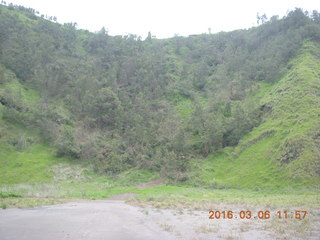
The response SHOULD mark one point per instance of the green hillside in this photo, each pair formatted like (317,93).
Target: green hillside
(284,149)
(24,158)
(228,110)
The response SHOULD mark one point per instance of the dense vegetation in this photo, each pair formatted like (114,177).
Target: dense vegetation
(120,102)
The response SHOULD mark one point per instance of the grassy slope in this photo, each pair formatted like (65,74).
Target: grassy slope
(294,101)
(35,162)
(29,163)
(253,164)
(283,150)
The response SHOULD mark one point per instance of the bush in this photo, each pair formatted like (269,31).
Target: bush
(66,144)
(291,150)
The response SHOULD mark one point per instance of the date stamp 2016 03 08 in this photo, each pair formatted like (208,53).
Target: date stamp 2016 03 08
(247,214)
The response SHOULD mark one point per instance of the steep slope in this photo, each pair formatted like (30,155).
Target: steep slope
(24,157)
(120,103)
(284,150)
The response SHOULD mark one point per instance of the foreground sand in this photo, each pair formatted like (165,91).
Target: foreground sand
(114,219)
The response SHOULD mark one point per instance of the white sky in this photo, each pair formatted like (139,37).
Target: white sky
(164,18)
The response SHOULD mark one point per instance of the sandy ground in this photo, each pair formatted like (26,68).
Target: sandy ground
(114,219)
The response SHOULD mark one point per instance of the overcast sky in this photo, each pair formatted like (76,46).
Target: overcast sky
(164,18)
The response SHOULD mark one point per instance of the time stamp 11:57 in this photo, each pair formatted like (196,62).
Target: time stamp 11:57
(244,214)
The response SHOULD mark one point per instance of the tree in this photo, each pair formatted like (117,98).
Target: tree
(66,144)
(263,18)
(149,37)
(106,108)
(316,16)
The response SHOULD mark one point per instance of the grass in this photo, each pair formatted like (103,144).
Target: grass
(86,186)
(29,202)
(9,195)
(174,196)
(206,228)
(267,158)
(29,166)
(249,174)
(163,196)
(184,108)
(167,227)
(23,156)
(286,228)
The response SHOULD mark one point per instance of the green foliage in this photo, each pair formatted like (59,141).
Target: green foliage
(291,150)
(105,107)
(66,144)
(198,198)
(115,163)
(136,177)
(30,166)
(284,149)
(121,103)
(22,143)
(9,195)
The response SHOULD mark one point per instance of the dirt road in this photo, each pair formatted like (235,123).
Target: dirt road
(114,219)
(89,220)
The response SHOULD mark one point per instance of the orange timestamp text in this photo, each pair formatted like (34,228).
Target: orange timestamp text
(262,214)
